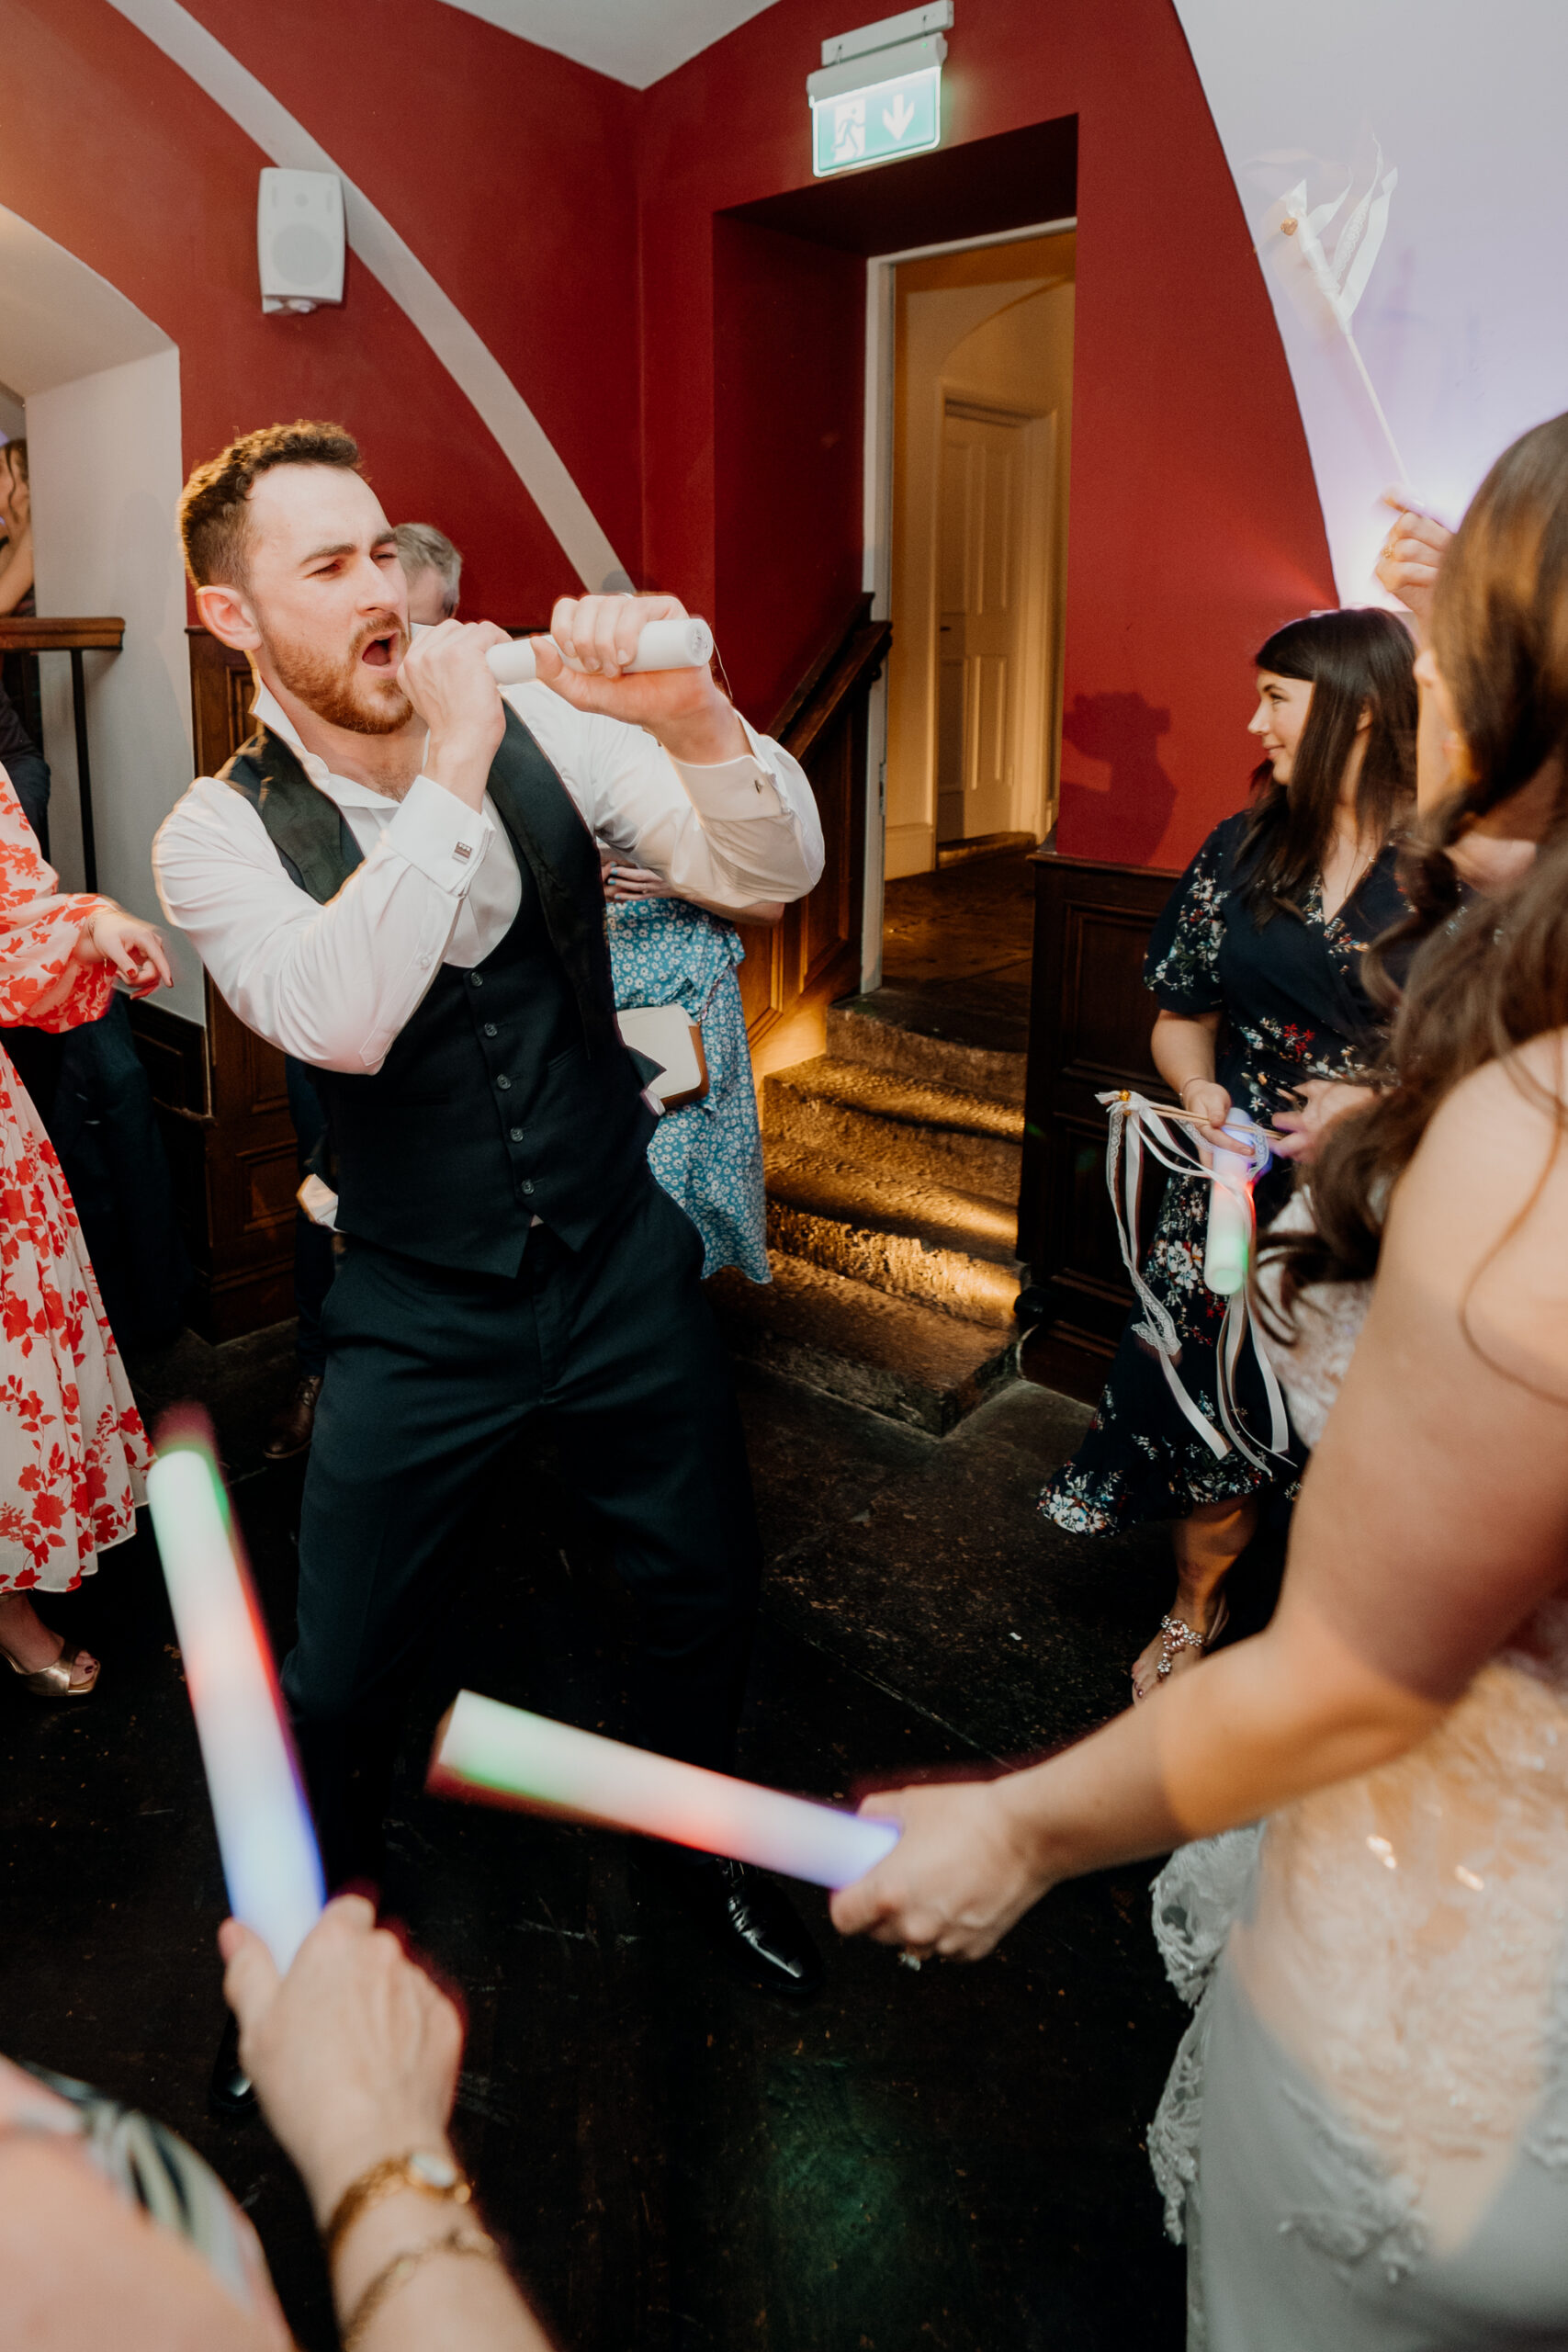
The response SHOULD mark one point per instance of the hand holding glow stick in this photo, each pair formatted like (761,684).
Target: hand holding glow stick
(501,1755)
(663,645)
(1228,1246)
(265,1835)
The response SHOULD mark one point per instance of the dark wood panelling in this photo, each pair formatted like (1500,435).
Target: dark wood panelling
(1089,1024)
(221,1095)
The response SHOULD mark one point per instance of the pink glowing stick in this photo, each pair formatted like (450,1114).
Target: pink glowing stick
(501,1755)
(270,1862)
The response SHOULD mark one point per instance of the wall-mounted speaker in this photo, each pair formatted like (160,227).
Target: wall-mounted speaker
(299,239)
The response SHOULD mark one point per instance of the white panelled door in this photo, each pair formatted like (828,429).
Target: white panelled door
(980,575)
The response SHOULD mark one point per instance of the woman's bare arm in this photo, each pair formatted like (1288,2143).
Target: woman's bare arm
(84,2270)
(1182,1048)
(1434,1517)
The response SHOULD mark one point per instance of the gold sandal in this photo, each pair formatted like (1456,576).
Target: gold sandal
(53,1681)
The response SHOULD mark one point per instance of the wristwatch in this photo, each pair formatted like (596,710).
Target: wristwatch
(428,2171)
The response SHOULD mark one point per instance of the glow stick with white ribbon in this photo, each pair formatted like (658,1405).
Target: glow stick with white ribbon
(502,1755)
(1232,1224)
(663,645)
(1136,1123)
(271,1865)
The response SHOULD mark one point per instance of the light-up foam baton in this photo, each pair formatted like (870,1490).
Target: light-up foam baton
(270,1862)
(663,645)
(1227,1252)
(502,1755)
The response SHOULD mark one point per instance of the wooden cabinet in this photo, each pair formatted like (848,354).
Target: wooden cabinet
(1090,1022)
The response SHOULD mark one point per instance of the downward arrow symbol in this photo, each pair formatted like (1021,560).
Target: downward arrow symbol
(897,118)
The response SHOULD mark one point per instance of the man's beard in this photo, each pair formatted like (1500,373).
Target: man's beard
(331,689)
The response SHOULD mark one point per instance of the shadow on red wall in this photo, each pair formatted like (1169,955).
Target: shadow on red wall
(1125,819)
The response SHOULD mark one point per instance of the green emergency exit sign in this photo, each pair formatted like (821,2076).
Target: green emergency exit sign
(878,95)
(872,126)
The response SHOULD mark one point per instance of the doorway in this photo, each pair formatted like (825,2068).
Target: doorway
(975,405)
(980,443)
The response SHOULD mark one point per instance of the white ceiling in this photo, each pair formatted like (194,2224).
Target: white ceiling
(636,41)
(58,318)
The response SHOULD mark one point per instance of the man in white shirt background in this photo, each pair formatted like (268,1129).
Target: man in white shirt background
(396,881)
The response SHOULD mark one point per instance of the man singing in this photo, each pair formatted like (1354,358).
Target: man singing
(395,880)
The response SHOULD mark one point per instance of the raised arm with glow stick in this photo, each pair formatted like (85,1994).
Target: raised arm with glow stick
(500,1755)
(264,1834)
(662,645)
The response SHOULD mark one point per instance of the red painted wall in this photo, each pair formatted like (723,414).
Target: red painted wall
(789,368)
(1195,525)
(507,169)
(700,380)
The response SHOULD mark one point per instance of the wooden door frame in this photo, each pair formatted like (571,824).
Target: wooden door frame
(876,561)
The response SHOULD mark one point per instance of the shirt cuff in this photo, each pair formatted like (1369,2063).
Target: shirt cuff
(439,835)
(741,788)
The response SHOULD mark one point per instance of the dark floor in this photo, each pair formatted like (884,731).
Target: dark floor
(951,2159)
(965,936)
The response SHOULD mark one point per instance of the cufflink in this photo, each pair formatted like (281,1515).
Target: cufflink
(464,849)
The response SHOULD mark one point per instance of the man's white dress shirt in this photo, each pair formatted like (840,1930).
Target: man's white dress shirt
(439,884)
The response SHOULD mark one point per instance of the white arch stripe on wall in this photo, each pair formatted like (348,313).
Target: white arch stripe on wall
(473,367)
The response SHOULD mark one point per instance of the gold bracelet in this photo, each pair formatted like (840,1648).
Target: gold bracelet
(401,2269)
(424,2170)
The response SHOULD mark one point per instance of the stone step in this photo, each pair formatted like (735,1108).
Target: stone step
(900,1127)
(949,1249)
(892,1356)
(898,1029)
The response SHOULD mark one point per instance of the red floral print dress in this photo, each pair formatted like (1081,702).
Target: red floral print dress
(72,1449)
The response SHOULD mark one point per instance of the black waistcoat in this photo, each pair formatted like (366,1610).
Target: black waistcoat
(507,1094)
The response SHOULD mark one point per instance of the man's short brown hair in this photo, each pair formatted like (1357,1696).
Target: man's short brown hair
(214,525)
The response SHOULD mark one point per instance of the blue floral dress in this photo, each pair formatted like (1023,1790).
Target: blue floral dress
(707,1155)
(1292,1006)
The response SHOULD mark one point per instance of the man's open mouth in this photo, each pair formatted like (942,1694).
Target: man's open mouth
(381,653)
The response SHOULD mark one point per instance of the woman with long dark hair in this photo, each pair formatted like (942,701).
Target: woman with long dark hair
(1255,966)
(1376,2085)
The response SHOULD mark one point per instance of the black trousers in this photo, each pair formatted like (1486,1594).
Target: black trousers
(430,1374)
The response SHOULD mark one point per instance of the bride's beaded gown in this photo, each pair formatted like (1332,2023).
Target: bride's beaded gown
(72,1449)
(1364,2137)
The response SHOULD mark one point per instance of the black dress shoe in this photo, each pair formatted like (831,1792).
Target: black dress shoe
(751,1919)
(291,1430)
(231,2091)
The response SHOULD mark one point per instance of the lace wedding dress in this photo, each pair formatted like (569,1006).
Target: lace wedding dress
(1364,2137)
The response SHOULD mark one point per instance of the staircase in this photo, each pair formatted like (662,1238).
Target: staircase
(893,1164)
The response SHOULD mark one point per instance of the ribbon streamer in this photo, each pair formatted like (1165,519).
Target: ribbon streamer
(1136,1125)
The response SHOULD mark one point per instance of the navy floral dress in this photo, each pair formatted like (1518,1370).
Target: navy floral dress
(1291,1006)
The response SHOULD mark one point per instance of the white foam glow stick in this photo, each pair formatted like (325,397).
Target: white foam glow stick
(502,1755)
(270,1862)
(663,645)
(1227,1248)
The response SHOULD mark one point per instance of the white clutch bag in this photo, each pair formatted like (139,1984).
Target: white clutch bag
(667,1036)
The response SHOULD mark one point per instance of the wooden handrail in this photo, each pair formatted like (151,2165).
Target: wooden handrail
(854,664)
(36,633)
